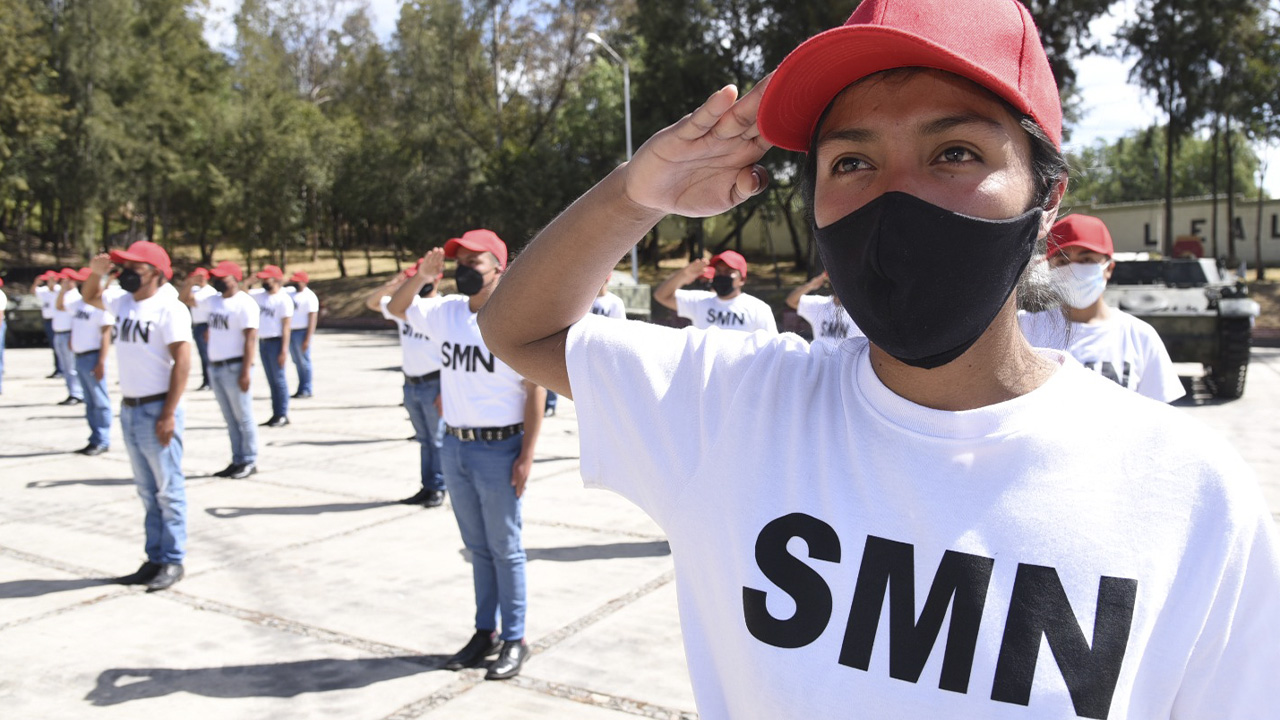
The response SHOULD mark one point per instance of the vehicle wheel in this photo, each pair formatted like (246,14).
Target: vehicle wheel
(1226,378)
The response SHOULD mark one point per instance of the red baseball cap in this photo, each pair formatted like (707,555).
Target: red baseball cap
(1082,231)
(78,275)
(479,241)
(300,277)
(68,273)
(199,271)
(730,258)
(227,268)
(147,252)
(994,43)
(270,271)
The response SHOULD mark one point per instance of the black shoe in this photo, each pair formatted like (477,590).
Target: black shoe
(169,574)
(242,471)
(228,470)
(300,395)
(144,575)
(434,498)
(510,659)
(53,375)
(71,401)
(92,450)
(417,498)
(481,645)
(205,386)
(277,421)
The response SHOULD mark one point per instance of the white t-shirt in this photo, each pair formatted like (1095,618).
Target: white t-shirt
(228,319)
(274,310)
(830,322)
(199,313)
(479,389)
(4,303)
(609,305)
(795,488)
(1123,349)
(744,312)
(144,332)
(420,354)
(62,318)
(48,298)
(305,302)
(87,322)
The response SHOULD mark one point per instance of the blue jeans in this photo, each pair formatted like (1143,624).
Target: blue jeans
(2,330)
(420,401)
(48,334)
(157,472)
(67,359)
(97,403)
(301,359)
(201,333)
(478,474)
(237,411)
(269,350)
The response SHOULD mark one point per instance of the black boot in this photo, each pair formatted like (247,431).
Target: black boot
(481,645)
(510,659)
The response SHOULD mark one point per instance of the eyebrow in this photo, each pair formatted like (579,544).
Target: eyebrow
(933,127)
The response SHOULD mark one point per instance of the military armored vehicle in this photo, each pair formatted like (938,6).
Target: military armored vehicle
(1202,313)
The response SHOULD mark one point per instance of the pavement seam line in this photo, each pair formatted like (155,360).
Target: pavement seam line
(557,636)
(602,700)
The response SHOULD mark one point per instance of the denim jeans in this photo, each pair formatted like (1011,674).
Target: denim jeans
(237,411)
(67,359)
(48,334)
(269,350)
(201,333)
(97,404)
(157,472)
(2,331)
(478,474)
(420,401)
(301,359)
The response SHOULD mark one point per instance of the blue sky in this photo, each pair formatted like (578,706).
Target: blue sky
(1111,105)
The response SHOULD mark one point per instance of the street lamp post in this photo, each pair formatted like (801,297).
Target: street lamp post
(626,111)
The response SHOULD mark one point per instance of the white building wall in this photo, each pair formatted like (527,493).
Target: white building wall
(1138,227)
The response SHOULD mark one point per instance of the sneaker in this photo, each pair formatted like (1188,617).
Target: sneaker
(481,645)
(243,471)
(169,574)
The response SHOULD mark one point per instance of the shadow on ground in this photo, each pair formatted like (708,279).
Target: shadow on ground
(282,680)
(104,482)
(235,512)
(577,553)
(37,588)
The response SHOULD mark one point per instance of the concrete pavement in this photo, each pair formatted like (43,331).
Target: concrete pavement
(311,594)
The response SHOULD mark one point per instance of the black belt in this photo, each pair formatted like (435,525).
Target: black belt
(135,402)
(419,379)
(88,352)
(228,361)
(61,332)
(489,433)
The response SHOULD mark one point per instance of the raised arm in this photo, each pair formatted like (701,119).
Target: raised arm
(666,292)
(62,293)
(429,268)
(187,294)
(374,301)
(793,299)
(703,165)
(99,267)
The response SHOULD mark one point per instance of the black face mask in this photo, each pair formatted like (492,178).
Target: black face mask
(292,285)
(722,284)
(426,290)
(921,281)
(129,280)
(219,284)
(470,281)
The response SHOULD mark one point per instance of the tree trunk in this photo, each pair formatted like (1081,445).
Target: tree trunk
(1257,238)
(368,253)
(1213,185)
(694,238)
(106,230)
(337,247)
(1232,261)
(1169,145)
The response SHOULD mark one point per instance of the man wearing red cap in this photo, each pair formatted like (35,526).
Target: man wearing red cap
(420,362)
(200,289)
(273,340)
(727,307)
(153,341)
(45,288)
(90,345)
(942,521)
(302,328)
(68,292)
(1107,340)
(233,333)
(492,417)
(830,321)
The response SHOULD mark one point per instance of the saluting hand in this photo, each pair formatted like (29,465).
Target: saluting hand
(101,264)
(432,263)
(704,164)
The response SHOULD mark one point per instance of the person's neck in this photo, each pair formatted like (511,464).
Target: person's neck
(731,295)
(1098,312)
(999,367)
(145,292)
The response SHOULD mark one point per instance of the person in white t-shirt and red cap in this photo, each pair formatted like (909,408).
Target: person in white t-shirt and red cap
(153,347)
(824,313)
(232,317)
(91,329)
(200,290)
(492,418)
(726,305)
(45,288)
(68,292)
(940,522)
(274,328)
(1107,340)
(302,328)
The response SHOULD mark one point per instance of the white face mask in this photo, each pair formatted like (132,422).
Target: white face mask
(1081,283)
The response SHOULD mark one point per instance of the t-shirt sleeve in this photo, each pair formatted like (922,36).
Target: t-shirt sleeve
(1232,669)
(382,305)
(251,313)
(421,316)
(176,324)
(1159,379)
(808,308)
(687,301)
(767,322)
(112,303)
(617,308)
(650,400)
(286,308)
